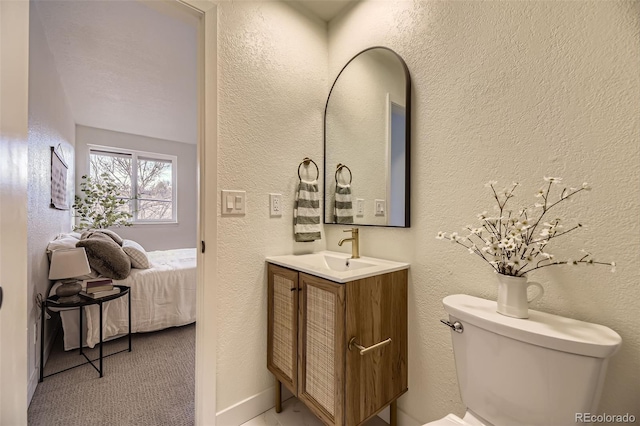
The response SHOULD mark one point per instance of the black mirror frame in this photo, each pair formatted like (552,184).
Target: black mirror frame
(407,207)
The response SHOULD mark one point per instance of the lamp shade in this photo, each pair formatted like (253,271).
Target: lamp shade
(68,263)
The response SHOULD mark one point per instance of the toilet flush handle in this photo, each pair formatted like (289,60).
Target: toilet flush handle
(456,326)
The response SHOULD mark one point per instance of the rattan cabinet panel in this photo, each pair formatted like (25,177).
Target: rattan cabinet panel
(282,344)
(321,375)
(309,351)
(320,347)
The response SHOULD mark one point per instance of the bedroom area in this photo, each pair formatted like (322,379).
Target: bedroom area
(113,180)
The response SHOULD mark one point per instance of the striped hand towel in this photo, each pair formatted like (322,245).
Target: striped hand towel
(344,207)
(306,212)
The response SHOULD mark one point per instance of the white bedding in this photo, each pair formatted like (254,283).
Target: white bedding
(161,297)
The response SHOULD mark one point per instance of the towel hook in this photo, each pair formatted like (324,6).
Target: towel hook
(306,162)
(341,166)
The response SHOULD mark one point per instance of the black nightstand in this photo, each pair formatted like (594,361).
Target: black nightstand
(52,302)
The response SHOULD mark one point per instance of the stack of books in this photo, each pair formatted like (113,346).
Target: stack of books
(101,287)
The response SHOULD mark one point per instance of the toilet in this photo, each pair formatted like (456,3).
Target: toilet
(515,372)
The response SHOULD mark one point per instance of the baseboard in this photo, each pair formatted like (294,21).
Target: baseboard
(251,407)
(32,384)
(403,418)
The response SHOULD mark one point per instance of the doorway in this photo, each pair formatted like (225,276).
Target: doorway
(397,170)
(13,375)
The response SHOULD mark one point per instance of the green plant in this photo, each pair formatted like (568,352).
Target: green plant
(102,205)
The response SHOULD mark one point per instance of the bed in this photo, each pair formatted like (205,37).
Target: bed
(162,296)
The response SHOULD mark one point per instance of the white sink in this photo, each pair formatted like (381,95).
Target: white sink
(335,266)
(340,264)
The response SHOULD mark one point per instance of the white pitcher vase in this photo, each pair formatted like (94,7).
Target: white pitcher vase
(512,295)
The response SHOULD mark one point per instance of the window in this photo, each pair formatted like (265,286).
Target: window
(147,180)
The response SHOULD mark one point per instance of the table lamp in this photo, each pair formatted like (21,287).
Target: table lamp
(65,265)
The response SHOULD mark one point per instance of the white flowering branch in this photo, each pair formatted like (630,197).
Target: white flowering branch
(509,242)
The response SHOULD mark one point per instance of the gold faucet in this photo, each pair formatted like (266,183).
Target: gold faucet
(355,242)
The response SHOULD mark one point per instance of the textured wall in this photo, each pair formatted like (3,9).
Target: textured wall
(50,124)
(271,92)
(151,236)
(512,91)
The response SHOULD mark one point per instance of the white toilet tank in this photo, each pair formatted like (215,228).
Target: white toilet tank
(537,371)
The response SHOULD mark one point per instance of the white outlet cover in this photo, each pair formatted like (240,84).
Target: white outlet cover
(275,205)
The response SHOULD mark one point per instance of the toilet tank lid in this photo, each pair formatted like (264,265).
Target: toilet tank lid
(541,328)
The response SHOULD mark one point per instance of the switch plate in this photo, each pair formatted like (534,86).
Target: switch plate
(380,207)
(233,202)
(359,207)
(275,205)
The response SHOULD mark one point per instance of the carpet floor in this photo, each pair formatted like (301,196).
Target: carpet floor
(151,386)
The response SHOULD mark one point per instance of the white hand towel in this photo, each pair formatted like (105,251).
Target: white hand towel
(306,212)
(344,207)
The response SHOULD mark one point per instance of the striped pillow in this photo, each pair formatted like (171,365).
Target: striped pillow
(136,253)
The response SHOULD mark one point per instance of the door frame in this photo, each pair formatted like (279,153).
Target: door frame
(14,86)
(206,312)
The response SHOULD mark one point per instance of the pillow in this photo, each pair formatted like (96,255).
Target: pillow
(62,241)
(106,257)
(115,237)
(99,236)
(136,253)
(66,241)
(68,235)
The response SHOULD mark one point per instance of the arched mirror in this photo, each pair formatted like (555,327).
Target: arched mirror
(367,141)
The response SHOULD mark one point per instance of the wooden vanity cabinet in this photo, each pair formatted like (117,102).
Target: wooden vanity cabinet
(311,321)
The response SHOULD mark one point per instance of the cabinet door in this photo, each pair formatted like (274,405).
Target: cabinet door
(322,348)
(282,333)
(376,310)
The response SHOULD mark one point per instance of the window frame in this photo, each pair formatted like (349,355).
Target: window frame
(145,155)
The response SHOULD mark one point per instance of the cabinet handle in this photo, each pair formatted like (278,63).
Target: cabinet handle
(363,350)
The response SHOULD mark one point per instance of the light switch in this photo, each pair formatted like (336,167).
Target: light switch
(233,202)
(360,207)
(380,207)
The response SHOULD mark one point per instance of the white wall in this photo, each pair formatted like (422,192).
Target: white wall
(272,88)
(512,91)
(14,86)
(50,124)
(151,236)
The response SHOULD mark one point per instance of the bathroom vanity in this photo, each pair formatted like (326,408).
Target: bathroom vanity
(337,333)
